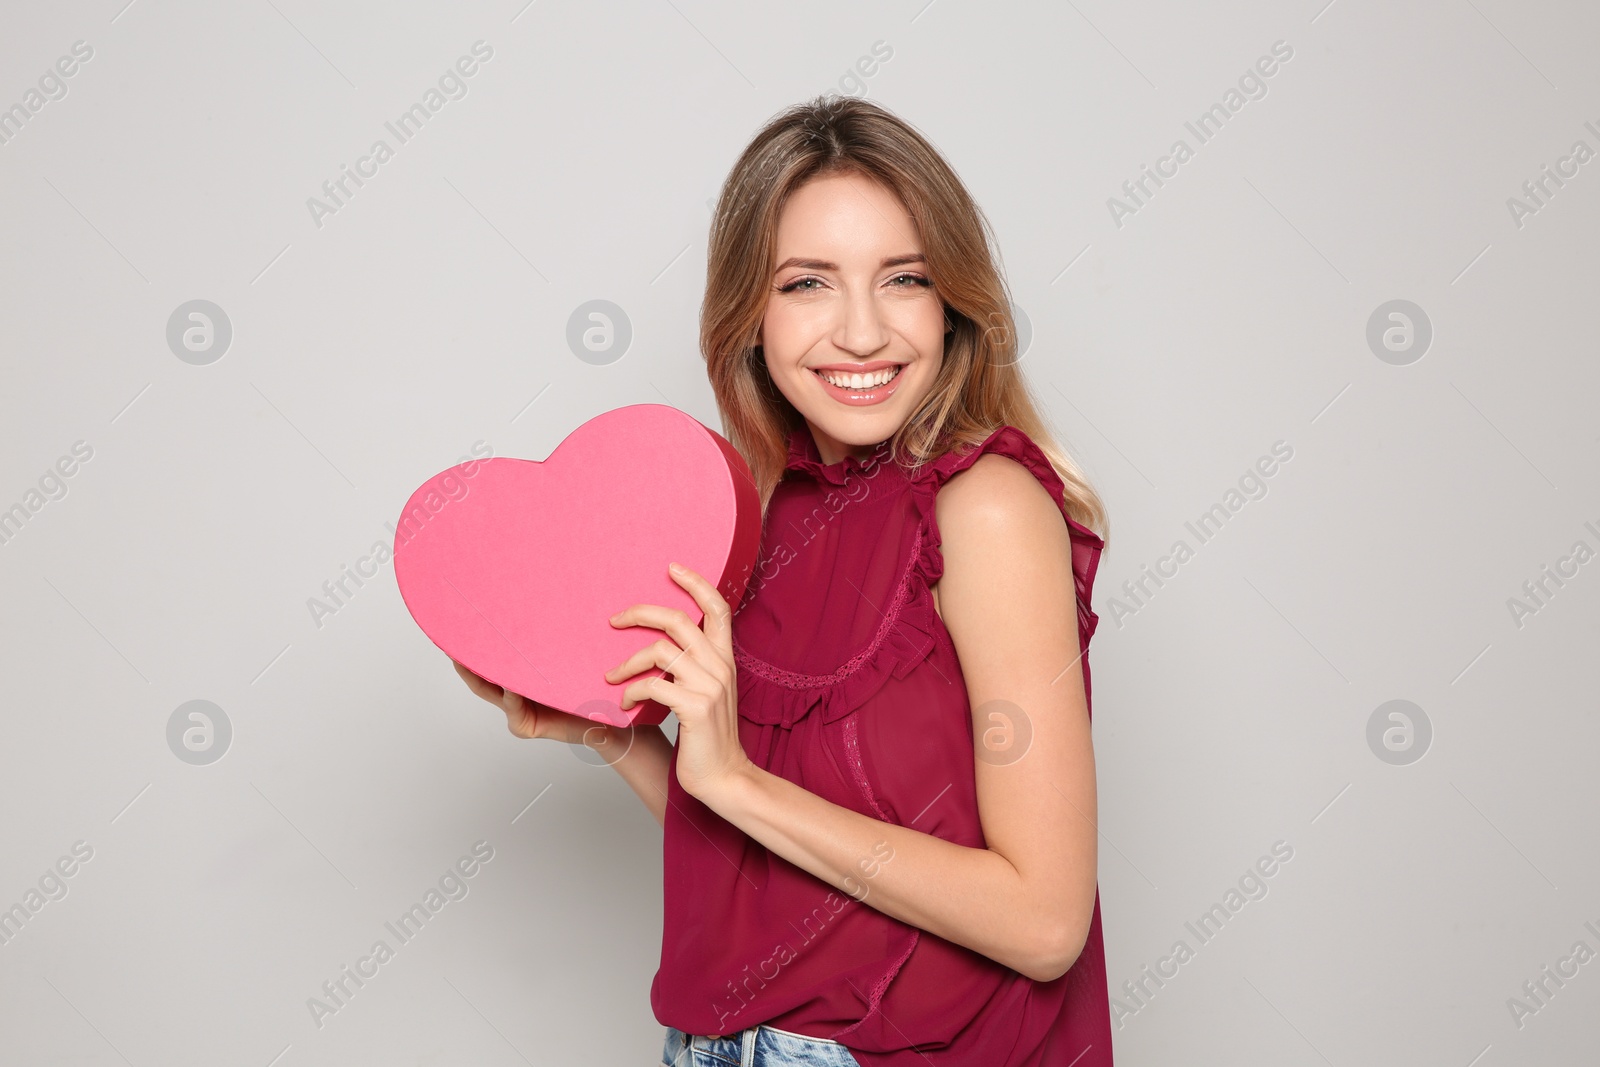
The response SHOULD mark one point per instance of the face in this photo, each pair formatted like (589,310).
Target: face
(854,329)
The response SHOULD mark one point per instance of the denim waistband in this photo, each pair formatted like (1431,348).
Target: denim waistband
(755,1046)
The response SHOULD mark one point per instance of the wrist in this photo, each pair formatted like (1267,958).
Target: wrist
(733,790)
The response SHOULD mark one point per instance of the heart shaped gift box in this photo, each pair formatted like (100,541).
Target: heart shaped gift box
(513,567)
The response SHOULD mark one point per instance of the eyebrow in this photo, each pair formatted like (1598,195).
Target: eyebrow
(822,264)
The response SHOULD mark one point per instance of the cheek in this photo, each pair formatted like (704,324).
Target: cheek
(782,356)
(786,374)
(790,338)
(930,341)
(925,380)
(922,323)
(783,332)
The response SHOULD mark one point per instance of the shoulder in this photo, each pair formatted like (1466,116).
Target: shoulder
(997,495)
(1006,559)
(999,501)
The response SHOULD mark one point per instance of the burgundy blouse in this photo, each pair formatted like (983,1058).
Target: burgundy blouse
(849,686)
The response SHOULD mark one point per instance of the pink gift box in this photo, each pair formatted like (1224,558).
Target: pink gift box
(513,567)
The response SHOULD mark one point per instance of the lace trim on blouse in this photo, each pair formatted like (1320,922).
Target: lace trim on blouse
(795,680)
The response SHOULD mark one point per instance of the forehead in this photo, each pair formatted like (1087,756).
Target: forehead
(839,212)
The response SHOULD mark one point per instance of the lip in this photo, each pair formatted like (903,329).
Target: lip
(859,397)
(858,368)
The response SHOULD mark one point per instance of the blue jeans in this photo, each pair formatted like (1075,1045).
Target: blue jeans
(758,1046)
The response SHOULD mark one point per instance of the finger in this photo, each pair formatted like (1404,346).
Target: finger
(479,686)
(514,703)
(674,623)
(519,725)
(674,695)
(666,655)
(718,624)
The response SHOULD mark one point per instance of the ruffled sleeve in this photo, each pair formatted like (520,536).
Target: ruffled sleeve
(1013,443)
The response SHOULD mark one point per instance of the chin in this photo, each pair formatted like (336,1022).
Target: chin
(857,431)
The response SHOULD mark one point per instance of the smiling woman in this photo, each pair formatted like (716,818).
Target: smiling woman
(849,329)
(928,556)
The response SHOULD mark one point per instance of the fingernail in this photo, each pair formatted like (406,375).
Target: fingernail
(676,568)
(617,616)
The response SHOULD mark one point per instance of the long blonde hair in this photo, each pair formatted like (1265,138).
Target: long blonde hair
(979,387)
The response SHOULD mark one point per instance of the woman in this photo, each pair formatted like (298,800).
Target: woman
(879,813)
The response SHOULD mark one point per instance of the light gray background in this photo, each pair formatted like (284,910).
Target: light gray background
(431,312)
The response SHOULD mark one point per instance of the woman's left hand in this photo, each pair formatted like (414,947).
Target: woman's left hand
(702,691)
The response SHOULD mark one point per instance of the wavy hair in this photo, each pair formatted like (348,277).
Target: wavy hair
(979,387)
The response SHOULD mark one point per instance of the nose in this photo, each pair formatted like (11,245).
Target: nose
(861,329)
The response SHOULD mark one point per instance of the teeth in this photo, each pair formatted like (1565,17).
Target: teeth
(859,381)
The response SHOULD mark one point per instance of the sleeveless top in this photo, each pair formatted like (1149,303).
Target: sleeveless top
(849,686)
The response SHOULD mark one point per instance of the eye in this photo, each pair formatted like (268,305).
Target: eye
(916,278)
(797,283)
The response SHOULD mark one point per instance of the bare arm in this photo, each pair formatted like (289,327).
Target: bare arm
(641,754)
(1008,599)
(644,763)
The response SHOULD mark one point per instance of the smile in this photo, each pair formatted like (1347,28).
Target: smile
(858,389)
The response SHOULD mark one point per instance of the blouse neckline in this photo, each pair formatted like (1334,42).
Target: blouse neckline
(804,456)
